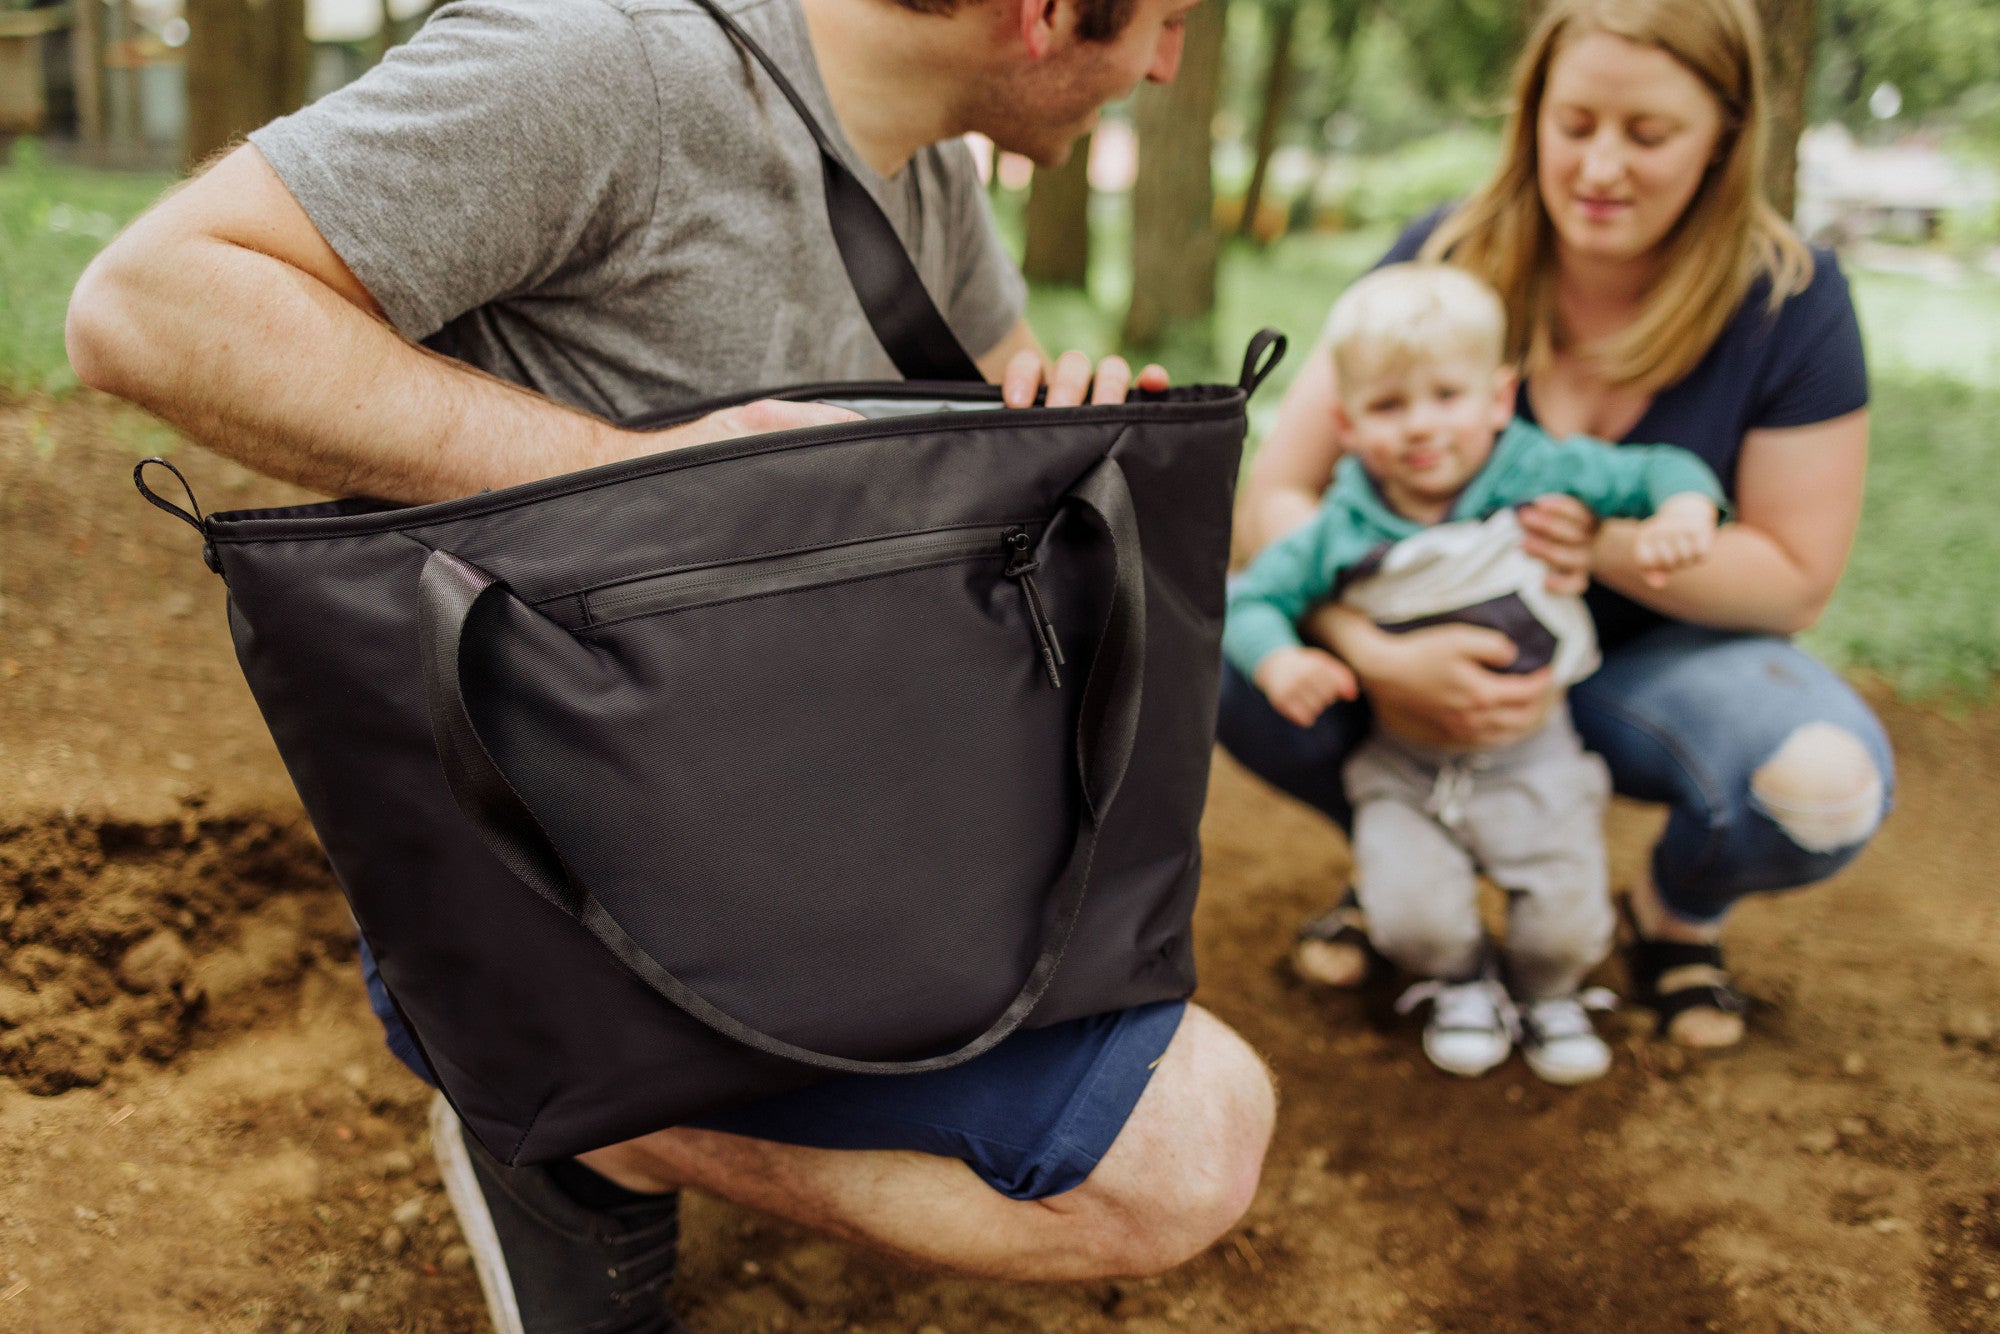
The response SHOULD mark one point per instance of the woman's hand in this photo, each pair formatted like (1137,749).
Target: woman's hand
(1559,530)
(1440,686)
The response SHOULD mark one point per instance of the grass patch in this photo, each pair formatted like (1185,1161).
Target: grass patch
(52,221)
(1920,603)
(1921,327)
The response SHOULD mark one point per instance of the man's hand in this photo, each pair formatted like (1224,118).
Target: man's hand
(1558,530)
(1302,683)
(760,417)
(1072,379)
(1680,533)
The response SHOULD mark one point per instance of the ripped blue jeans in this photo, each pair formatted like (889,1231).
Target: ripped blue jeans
(1681,714)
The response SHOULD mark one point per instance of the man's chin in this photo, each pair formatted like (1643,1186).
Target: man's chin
(1049,151)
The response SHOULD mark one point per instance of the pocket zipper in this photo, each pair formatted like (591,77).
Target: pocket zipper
(682,590)
(1021,567)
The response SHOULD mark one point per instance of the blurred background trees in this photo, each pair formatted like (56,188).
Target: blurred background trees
(1333,117)
(1301,135)
(247,63)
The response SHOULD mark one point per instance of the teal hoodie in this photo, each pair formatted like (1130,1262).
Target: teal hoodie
(1302,568)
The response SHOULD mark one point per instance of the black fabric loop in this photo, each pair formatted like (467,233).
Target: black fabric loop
(899,308)
(452,595)
(194,520)
(1264,340)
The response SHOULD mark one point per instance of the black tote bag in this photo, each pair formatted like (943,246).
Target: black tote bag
(693,778)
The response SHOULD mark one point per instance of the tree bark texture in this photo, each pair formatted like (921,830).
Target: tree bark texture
(246,64)
(1173,199)
(1789,27)
(1283,21)
(86,62)
(1058,217)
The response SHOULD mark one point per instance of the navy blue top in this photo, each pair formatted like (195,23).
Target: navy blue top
(1801,365)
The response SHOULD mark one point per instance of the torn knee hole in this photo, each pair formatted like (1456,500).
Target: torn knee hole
(1821,787)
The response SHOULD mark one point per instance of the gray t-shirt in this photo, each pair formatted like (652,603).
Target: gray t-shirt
(607,201)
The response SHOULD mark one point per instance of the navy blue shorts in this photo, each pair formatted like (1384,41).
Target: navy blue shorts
(1032,1117)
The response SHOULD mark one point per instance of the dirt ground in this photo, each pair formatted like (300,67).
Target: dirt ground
(200,1130)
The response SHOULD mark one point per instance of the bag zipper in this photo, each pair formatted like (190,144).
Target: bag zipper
(706,586)
(1021,567)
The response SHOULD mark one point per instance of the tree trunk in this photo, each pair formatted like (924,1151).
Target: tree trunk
(86,63)
(1058,215)
(1788,43)
(1173,199)
(1277,80)
(246,64)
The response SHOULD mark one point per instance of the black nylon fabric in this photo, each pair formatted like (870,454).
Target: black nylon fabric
(489,724)
(836,812)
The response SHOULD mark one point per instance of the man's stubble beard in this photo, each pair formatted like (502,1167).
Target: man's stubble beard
(1017,116)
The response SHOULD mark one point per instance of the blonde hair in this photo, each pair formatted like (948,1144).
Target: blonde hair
(1407,314)
(1726,238)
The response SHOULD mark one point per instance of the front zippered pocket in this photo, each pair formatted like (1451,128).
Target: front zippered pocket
(797,571)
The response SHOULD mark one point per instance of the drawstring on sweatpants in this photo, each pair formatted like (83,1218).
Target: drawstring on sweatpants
(1453,788)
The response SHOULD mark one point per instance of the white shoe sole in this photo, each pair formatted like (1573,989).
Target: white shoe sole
(1461,1069)
(1560,1075)
(469,1203)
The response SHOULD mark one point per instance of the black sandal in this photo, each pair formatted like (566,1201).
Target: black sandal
(1344,924)
(1648,960)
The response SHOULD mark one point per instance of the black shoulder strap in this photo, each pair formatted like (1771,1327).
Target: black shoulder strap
(905,320)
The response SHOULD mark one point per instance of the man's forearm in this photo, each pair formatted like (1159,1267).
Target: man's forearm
(261,362)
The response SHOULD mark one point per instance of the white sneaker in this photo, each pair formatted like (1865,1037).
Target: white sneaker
(1472,1025)
(1558,1040)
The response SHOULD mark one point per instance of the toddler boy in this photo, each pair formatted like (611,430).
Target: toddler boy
(1418,529)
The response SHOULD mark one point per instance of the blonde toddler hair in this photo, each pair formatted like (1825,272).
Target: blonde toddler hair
(1404,315)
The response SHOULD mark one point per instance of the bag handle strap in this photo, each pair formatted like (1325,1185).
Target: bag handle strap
(900,310)
(451,593)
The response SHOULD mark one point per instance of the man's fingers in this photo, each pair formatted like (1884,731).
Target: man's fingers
(770,414)
(1070,382)
(1114,377)
(758,417)
(1021,379)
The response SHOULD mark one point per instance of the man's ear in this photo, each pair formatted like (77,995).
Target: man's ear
(1042,22)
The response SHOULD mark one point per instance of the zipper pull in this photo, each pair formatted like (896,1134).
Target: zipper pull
(1021,567)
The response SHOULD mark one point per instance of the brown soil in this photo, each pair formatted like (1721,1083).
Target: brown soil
(200,1130)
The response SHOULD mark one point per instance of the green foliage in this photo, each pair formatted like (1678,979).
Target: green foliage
(1393,188)
(1942,55)
(1920,602)
(52,221)
(1468,46)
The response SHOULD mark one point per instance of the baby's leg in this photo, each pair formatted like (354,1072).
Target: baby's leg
(1414,879)
(1536,823)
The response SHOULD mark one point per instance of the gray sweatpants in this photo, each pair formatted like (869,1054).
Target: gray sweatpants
(1531,815)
